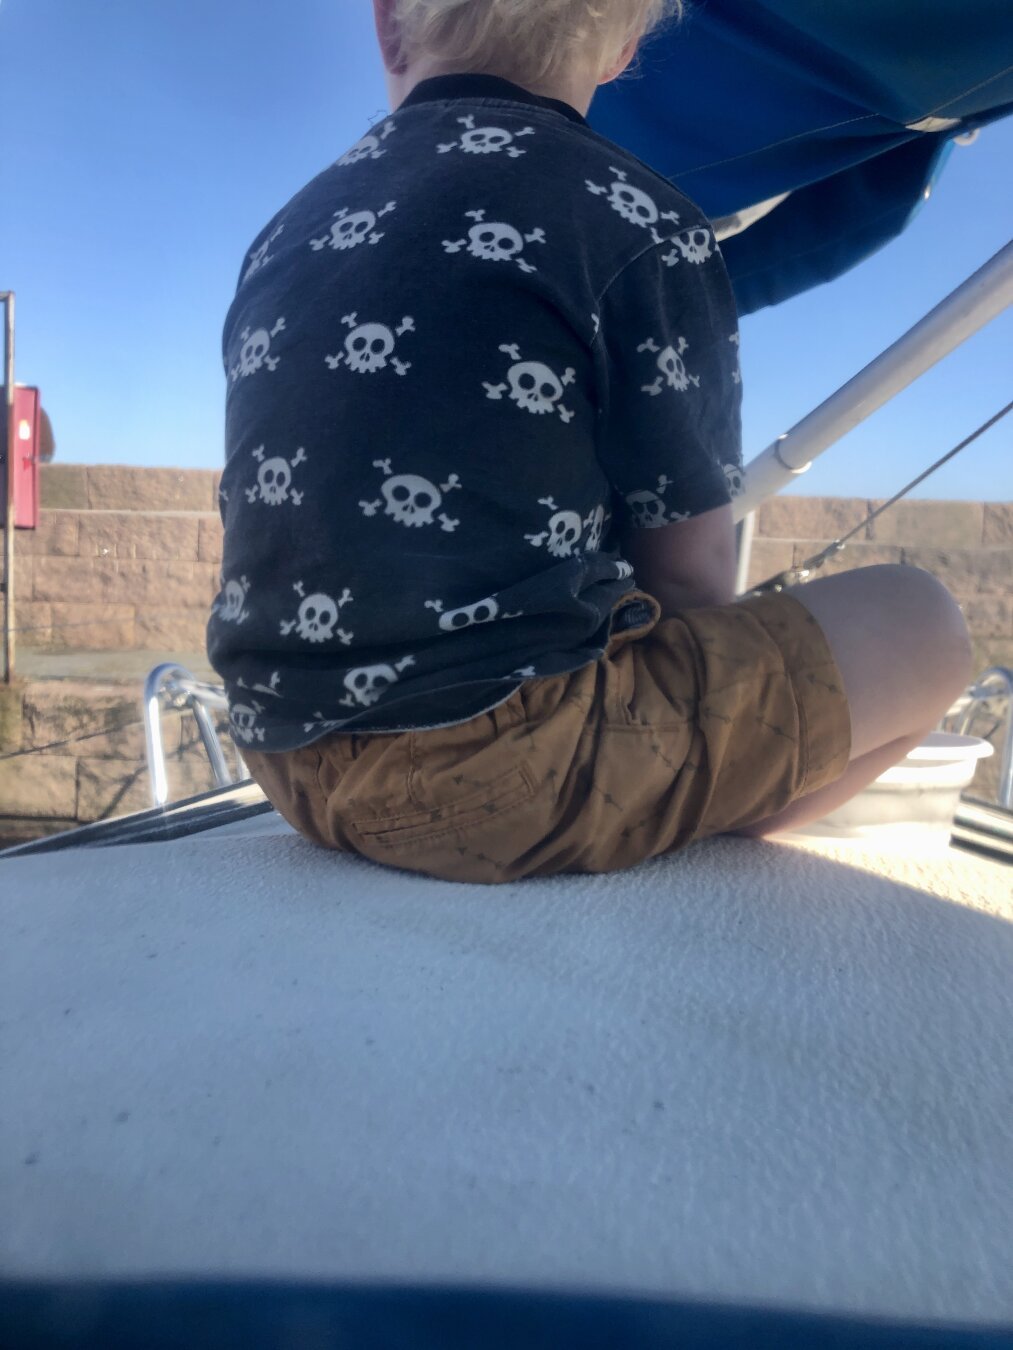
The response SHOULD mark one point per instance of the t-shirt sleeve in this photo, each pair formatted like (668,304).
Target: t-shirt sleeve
(670,438)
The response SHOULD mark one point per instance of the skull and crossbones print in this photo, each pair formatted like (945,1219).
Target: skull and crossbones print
(351,229)
(495,241)
(673,370)
(532,385)
(231,608)
(318,616)
(410,499)
(261,256)
(368,147)
(254,352)
(649,510)
(485,140)
(274,479)
(366,684)
(633,204)
(482,611)
(563,534)
(693,246)
(243,721)
(369,347)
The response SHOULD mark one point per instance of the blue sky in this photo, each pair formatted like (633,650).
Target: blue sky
(144,145)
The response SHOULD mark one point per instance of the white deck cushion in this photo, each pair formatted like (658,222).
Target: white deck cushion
(752,1072)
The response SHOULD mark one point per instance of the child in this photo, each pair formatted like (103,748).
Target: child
(477,616)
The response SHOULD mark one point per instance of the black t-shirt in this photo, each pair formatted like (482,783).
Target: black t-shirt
(459,363)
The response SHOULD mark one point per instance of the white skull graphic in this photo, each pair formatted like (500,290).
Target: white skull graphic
(231,609)
(648,509)
(318,615)
(274,479)
(260,256)
(486,140)
(349,230)
(694,245)
(494,240)
(596,520)
(632,203)
(532,385)
(483,611)
(253,353)
(671,365)
(410,499)
(368,147)
(563,532)
(366,684)
(243,722)
(369,346)
(736,479)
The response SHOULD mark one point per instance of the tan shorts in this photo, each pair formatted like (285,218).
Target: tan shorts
(686,727)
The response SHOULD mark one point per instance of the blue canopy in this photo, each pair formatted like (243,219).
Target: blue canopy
(848,105)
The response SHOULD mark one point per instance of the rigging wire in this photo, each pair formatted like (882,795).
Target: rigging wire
(791,575)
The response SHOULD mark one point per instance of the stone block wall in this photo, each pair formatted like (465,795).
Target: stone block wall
(124,558)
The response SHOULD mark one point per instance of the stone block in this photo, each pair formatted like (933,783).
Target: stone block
(33,625)
(141,582)
(121,487)
(135,534)
(810,517)
(989,617)
(930,524)
(56,535)
(998,528)
(767,557)
(84,628)
(65,711)
(22,830)
(967,572)
(171,631)
(216,483)
(854,555)
(107,788)
(63,486)
(210,539)
(39,786)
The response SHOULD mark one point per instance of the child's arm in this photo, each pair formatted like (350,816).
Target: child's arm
(686,565)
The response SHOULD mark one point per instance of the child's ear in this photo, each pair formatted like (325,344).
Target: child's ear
(389,35)
(617,68)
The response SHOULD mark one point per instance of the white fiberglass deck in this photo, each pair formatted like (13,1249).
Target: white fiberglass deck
(752,1072)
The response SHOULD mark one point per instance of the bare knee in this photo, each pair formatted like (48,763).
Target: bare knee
(919,604)
(901,645)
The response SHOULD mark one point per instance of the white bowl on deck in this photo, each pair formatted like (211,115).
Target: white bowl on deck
(921,791)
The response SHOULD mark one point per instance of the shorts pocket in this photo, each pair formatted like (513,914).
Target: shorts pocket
(479,808)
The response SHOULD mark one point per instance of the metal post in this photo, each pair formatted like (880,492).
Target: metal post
(964,311)
(7,443)
(744,531)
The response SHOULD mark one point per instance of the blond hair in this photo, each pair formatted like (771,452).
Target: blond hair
(526,39)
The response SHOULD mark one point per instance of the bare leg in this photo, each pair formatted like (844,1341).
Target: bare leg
(901,645)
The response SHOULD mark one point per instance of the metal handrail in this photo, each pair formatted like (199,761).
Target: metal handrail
(184,690)
(996,681)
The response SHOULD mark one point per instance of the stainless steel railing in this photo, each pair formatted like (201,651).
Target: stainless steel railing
(176,687)
(996,682)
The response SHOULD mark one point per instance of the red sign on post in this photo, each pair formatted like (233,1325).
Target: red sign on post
(25,457)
